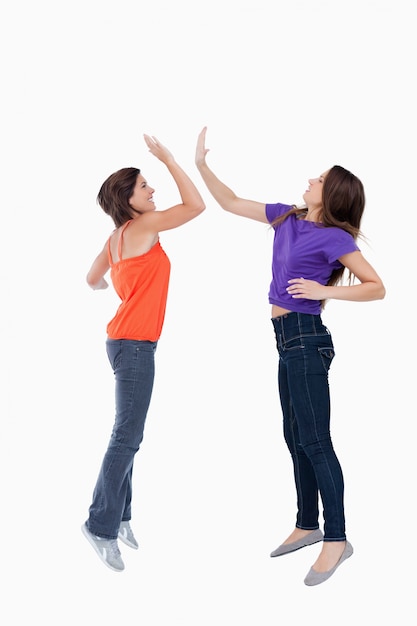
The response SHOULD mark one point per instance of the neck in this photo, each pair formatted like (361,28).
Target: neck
(313,214)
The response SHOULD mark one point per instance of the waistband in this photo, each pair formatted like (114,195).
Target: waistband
(135,342)
(304,322)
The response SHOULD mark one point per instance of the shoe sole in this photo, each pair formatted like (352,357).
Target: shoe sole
(91,541)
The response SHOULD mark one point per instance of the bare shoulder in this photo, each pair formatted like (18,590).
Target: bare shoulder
(137,239)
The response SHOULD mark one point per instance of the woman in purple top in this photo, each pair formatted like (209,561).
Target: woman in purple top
(313,246)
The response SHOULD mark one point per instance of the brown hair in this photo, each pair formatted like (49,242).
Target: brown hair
(343,204)
(115,193)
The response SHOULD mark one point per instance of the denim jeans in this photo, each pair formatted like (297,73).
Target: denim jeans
(133,363)
(305,349)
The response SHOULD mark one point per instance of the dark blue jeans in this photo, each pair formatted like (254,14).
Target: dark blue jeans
(133,363)
(305,349)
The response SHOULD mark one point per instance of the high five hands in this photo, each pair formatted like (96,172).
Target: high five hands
(158,149)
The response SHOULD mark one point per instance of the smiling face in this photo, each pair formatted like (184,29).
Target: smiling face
(313,194)
(141,199)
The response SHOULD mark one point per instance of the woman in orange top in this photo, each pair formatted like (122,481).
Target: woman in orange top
(139,270)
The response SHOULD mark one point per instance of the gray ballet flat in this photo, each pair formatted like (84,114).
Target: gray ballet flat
(315,578)
(308,540)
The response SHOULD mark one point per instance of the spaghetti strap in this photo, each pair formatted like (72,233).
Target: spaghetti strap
(109,252)
(119,245)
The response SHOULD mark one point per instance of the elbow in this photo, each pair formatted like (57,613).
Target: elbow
(199,208)
(382,292)
(90,281)
(378,291)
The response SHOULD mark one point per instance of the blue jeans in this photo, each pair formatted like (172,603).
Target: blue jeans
(133,363)
(305,349)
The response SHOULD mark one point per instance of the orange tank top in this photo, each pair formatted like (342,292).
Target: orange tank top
(141,282)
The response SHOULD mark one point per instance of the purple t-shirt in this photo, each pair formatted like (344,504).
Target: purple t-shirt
(303,249)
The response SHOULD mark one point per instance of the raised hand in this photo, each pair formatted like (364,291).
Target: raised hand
(201,150)
(158,149)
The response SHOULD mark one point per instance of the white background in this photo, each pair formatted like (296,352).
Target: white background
(287,89)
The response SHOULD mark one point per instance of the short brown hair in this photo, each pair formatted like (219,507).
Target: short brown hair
(115,193)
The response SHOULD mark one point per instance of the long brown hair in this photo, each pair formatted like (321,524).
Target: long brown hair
(115,193)
(343,204)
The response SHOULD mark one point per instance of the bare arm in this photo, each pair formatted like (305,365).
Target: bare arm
(192,203)
(370,288)
(227,199)
(100,266)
